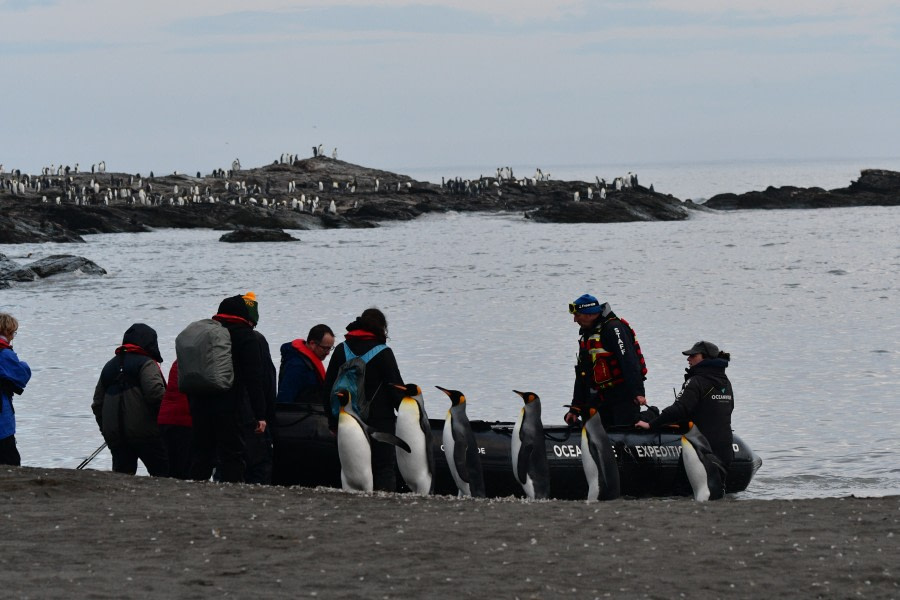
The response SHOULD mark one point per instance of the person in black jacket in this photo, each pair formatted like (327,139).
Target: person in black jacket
(706,399)
(611,370)
(366,332)
(217,432)
(258,445)
(126,403)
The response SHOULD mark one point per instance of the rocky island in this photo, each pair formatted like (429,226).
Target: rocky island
(62,204)
(875,187)
(309,193)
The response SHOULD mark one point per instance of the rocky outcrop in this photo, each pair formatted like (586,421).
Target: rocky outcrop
(257,234)
(11,271)
(618,207)
(311,193)
(875,187)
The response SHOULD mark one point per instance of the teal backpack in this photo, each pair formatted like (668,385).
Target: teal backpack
(351,377)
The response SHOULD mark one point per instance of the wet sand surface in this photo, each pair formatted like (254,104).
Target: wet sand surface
(91,534)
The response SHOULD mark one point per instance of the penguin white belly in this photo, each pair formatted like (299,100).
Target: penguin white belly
(515,444)
(413,464)
(696,472)
(355,454)
(591,469)
(449,446)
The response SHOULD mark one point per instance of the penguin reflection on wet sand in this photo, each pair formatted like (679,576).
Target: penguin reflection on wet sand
(599,461)
(417,465)
(528,449)
(354,441)
(460,447)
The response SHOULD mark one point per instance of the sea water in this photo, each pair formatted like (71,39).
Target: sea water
(805,302)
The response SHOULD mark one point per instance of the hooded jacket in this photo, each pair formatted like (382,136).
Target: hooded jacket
(130,390)
(707,399)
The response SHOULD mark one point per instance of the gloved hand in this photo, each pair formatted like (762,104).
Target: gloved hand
(571,418)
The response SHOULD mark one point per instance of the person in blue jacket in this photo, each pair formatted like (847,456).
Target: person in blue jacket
(302,373)
(14,376)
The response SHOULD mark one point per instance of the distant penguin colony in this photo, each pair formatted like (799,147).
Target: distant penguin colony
(460,448)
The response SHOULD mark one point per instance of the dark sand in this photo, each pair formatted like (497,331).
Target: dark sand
(90,534)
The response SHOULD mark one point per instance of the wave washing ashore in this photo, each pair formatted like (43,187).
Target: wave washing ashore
(90,534)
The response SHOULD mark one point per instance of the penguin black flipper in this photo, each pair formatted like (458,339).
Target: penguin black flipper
(389,438)
(524,462)
(473,464)
(459,459)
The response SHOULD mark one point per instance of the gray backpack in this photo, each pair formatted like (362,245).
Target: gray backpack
(203,350)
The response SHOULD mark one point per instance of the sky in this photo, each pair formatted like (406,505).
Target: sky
(190,85)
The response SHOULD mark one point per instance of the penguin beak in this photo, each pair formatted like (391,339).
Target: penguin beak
(446,391)
(399,386)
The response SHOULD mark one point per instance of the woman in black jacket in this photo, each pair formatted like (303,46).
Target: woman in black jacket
(706,399)
(367,332)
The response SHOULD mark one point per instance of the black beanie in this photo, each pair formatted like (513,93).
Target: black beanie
(234,306)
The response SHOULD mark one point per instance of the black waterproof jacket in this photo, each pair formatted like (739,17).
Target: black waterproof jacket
(130,390)
(381,371)
(706,398)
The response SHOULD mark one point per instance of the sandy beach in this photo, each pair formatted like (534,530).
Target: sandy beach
(91,534)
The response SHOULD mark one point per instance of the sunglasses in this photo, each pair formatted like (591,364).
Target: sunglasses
(574,308)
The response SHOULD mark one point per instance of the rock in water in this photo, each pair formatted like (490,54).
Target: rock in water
(257,234)
(13,271)
(65,263)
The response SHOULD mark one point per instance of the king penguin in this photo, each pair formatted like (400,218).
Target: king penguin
(704,470)
(416,466)
(598,460)
(460,447)
(354,440)
(528,449)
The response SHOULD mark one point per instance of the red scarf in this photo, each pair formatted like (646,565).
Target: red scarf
(233,319)
(360,334)
(132,349)
(301,347)
(4,344)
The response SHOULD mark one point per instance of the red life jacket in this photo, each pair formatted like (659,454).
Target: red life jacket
(300,346)
(607,372)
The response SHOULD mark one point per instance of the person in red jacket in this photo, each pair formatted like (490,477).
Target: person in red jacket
(175,426)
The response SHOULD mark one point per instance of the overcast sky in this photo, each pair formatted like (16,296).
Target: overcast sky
(190,85)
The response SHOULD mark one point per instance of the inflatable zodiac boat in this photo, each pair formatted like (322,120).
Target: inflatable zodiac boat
(306,454)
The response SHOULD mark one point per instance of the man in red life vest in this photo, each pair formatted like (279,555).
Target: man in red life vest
(610,372)
(302,373)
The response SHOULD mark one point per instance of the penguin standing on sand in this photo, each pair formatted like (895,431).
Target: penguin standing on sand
(599,461)
(417,465)
(354,440)
(528,449)
(460,447)
(704,469)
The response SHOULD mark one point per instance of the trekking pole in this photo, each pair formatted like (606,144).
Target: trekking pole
(91,457)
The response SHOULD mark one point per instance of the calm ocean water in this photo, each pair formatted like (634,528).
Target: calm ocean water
(806,302)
